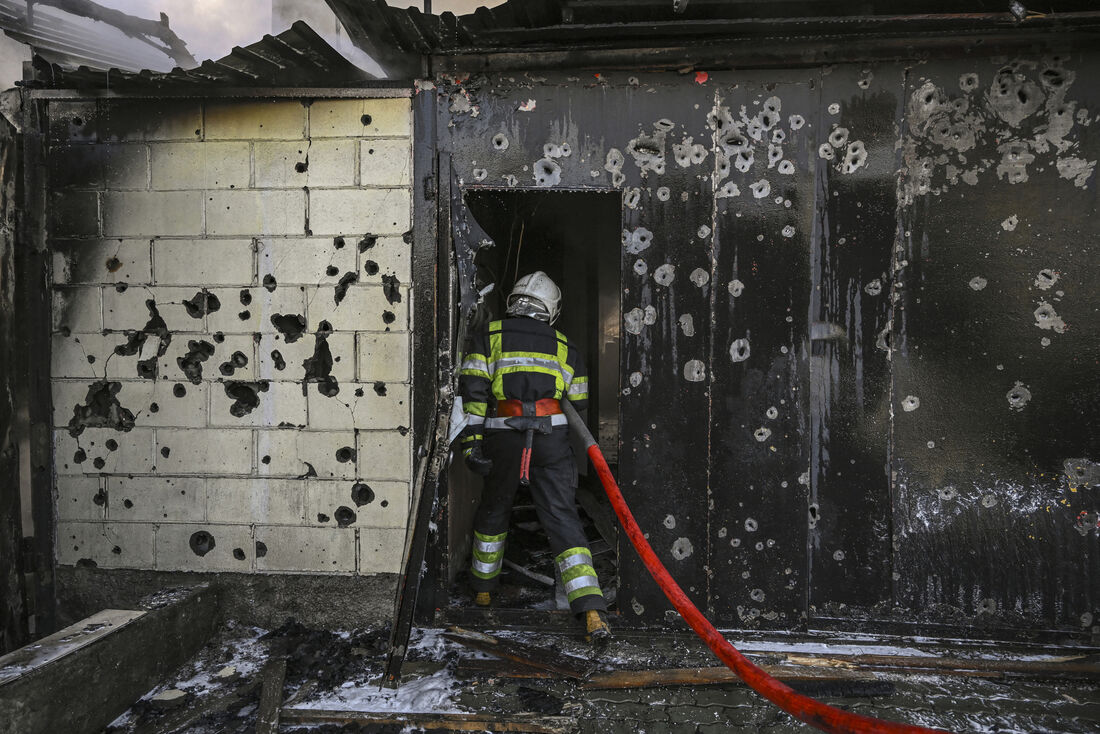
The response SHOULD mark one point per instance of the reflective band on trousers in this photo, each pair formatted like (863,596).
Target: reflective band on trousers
(558,419)
(577,574)
(488,554)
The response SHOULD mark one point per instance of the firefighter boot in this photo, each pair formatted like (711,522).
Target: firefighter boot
(595,623)
(483,599)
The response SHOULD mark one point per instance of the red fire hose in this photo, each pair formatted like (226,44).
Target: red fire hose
(803,708)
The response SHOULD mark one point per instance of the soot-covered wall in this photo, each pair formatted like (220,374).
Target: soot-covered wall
(858,375)
(231,359)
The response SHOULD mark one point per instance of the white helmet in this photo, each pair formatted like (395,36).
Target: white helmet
(537,296)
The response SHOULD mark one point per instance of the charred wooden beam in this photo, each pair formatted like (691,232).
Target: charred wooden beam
(139,28)
(536,657)
(271,697)
(446,722)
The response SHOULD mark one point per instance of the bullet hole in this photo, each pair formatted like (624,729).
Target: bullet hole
(695,371)
(500,142)
(838,137)
(761,434)
(121,287)
(78,121)
(910,403)
(366,120)
(345,454)
(380,389)
(202,303)
(98,462)
(101,409)
(796,122)
(637,240)
(855,157)
(165,451)
(244,315)
(978,283)
(682,548)
(245,396)
(740,350)
(547,173)
(86,563)
(989,500)
(757,595)
(332,271)
(812,511)
(291,326)
(786,168)
(370,267)
(277,359)
(301,166)
(761,188)
(1046,279)
(179,390)
(1047,318)
(261,549)
(403,430)
(391,287)
(663,193)
(201,543)
(367,242)
(751,525)
(218,337)
(687,324)
(838,555)
(825,152)
(873,288)
(238,553)
(270,283)
(787,231)
(361,494)
(407,237)
(80,456)
(128,504)
(640,267)
(480,174)
(191,362)
(318,368)
(388,317)
(743,161)
(322,517)
(665,274)
(1018,397)
(947,493)
(135,342)
(344,516)
(632,198)
(113,264)
(246,297)
(227,369)
(359,392)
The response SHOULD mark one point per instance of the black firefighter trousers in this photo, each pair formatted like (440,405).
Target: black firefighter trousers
(553,487)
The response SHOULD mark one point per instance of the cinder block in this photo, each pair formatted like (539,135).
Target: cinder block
(107,545)
(228,351)
(384,455)
(129,308)
(70,121)
(305,163)
(380,550)
(340,211)
(385,162)
(156,403)
(292,453)
(387,256)
(357,118)
(341,346)
(368,411)
(85,356)
(74,214)
(255,317)
(363,307)
(209,262)
(126,167)
(101,261)
(156,499)
(259,120)
(200,166)
(320,550)
(282,403)
(256,212)
(77,309)
(139,120)
(299,261)
(266,501)
(81,498)
(204,547)
(385,504)
(118,452)
(204,451)
(75,167)
(383,356)
(152,213)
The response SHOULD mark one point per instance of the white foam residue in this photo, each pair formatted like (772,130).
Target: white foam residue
(430,694)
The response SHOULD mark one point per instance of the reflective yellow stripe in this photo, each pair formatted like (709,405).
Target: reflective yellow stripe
(475,408)
(471,438)
(498,379)
(495,326)
(490,538)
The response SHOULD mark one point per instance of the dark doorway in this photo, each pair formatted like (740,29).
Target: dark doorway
(574,238)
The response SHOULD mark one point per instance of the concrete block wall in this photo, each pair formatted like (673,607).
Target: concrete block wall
(231,355)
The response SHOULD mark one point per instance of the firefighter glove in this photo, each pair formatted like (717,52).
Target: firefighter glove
(476,460)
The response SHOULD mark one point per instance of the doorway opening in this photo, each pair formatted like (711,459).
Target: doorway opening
(574,238)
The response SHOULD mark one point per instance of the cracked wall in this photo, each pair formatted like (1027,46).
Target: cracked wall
(231,313)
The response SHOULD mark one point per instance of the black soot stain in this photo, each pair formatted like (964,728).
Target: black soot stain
(101,409)
(202,303)
(191,363)
(245,395)
(202,542)
(291,326)
(344,516)
(391,286)
(342,287)
(361,494)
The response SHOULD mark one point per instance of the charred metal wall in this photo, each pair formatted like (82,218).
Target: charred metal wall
(858,370)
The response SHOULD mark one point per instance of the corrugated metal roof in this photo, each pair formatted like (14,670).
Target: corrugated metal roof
(394,35)
(297,57)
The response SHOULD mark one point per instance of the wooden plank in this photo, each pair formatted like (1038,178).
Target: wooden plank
(1077,666)
(27,660)
(271,697)
(448,722)
(714,676)
(480,667)
(536,657)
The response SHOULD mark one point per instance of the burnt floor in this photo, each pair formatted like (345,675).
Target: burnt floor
(340,671)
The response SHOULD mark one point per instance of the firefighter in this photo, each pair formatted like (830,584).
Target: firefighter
(511,382)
